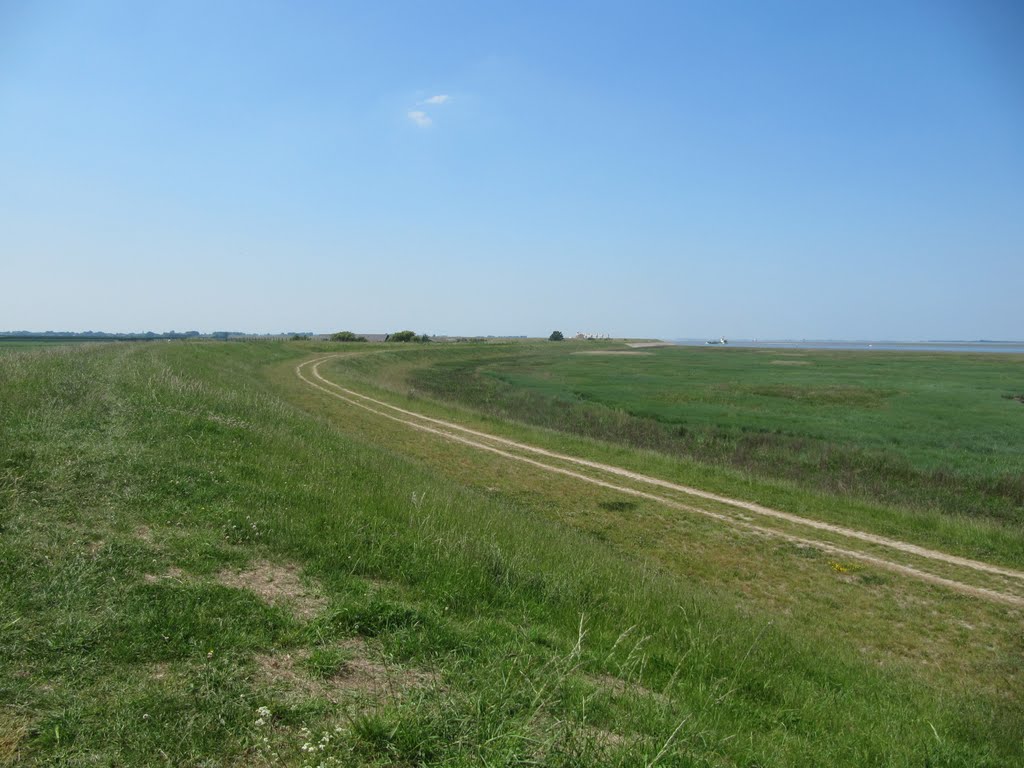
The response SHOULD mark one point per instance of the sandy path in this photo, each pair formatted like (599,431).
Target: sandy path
(448,430)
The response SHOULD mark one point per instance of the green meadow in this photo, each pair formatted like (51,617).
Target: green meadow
(203,561)
(13,345)
(934,430)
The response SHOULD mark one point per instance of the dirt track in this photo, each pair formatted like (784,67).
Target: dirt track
(508,449)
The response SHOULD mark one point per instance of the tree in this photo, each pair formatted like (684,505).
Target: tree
(346,336)
(402,336)
(556,336)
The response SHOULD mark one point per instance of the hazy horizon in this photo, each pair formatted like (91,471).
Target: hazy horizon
(753,170)
(738,340)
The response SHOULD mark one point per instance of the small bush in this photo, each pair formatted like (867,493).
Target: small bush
(556,336)
(346,336)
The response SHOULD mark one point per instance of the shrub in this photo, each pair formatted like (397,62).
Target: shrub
(556,336)
(402,336)
(346,336)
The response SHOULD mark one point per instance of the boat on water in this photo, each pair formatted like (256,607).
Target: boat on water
(722,340)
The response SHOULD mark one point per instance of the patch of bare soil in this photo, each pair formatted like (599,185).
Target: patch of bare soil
(282,670)
(360,675)
(143,533)
(277,585)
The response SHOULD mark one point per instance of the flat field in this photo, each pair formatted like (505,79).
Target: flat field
(225,554)
(931,430)
(14,345)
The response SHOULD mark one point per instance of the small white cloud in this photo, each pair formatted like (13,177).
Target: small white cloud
(441,98)
(422,119)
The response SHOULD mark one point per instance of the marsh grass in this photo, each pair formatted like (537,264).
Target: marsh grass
(537,644)
(998,538)
(921,431)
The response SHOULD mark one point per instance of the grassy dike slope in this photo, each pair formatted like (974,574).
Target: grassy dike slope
(922,447)
(196,570)
(930,431)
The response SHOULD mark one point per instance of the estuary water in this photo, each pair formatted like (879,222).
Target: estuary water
(1001,347)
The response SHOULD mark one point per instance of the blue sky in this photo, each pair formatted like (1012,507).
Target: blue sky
(677,169)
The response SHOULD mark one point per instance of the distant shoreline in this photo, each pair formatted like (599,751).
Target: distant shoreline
(1004,347)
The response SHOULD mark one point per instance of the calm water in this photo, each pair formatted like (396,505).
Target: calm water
(1007,347)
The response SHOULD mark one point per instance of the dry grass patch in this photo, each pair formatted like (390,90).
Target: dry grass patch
(95,546)
(173,572)
(14,730)
(601,738)
(159,670)
(228,421)
(278,585)
(358,675)
(616,686)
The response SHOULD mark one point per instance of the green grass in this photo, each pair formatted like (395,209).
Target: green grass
(931,431)
(133,476)
(456,383)
(15,345)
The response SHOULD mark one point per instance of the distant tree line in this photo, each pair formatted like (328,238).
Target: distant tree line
(407,336)
(103,335)
(346,336)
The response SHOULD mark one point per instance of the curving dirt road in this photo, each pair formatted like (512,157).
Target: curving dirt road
(513,450)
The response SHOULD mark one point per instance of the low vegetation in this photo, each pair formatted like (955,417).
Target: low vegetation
(346,336)
(929,431)
(203,561)
(407,336)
